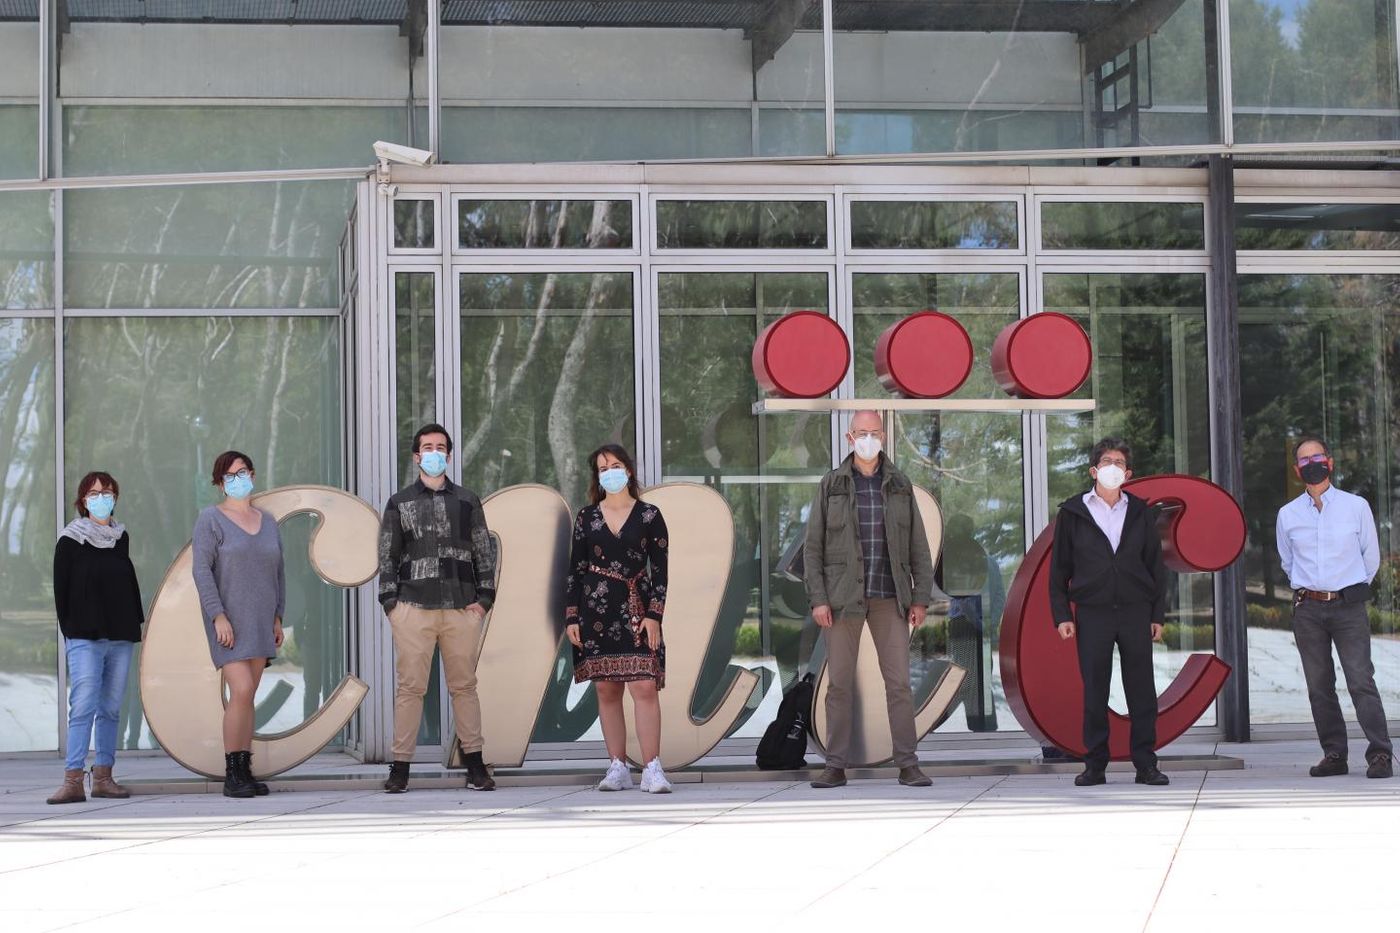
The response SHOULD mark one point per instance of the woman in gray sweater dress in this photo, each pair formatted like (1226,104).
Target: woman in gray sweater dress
(239,573)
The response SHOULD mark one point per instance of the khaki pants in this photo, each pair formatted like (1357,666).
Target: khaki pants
(890,632)
(457,633)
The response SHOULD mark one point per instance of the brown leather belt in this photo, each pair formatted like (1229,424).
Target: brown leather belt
(1322,596)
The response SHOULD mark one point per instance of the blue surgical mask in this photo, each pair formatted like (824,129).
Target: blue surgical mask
(433,462)
(100,505)
(239,487)
(613,480)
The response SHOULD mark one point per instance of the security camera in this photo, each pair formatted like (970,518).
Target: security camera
(403,155)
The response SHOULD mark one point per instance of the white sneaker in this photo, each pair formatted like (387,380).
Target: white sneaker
(654,779)
(619,777)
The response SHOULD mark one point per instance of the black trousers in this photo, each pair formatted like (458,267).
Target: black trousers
(1098,629)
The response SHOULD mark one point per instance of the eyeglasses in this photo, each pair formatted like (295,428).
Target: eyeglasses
(1315,458)
(93,496)
(1109,461)
(241,474)
(859,434)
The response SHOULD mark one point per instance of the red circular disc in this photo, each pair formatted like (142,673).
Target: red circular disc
(803,354)
(926,355)
(1046,355)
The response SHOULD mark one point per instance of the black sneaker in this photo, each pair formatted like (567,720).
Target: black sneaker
(1152,776)
(1331,765)
(478,777)
(1089,777)
(398,778)
(1380,766)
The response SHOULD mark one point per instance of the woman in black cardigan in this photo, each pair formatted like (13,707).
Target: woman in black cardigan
(99,611)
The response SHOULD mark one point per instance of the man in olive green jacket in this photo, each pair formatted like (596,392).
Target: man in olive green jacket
(867,562)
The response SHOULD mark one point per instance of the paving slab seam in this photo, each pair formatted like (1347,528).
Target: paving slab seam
(939,822)
(190,835)
(1176,849)
(605,857)
(60,812)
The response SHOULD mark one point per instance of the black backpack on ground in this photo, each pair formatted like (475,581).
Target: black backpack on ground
(784,742)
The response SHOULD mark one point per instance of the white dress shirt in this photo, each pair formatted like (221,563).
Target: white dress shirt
(1331,549)
(1109,518)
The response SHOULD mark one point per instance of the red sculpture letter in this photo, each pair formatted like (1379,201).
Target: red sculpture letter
(1202,530)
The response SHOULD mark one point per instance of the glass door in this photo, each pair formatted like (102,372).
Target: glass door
(971,462)
(765,467)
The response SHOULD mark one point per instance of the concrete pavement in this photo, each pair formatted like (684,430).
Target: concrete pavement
(1266,847)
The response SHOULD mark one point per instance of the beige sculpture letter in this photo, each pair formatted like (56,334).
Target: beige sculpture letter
(532,526)
(870,729)
(182,691)
(701,527)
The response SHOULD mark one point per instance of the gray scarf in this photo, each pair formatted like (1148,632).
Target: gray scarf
(87,531)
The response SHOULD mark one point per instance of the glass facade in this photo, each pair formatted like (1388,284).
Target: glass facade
(1339,335)
(541,316)
(998,76)
(539,82)
(1315,71)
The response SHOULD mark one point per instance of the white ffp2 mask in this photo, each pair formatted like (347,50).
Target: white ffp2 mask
(867,447)
(1111,476)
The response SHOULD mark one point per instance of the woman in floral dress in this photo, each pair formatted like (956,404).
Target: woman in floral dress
(614,600)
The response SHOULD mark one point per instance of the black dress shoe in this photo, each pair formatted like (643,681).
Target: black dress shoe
(1331,765)
(1380,766)
(1152,776)
(1089,777)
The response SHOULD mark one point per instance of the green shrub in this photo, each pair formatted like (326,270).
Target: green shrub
(1257,616)
(748,642)
(1179,637)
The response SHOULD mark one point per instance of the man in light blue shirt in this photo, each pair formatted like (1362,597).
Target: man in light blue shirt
(1327,544)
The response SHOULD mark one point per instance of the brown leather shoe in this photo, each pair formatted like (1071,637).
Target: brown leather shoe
(831,777)
(1331,765)
(1379,766)
(104,786)
(913,777)
(72,789)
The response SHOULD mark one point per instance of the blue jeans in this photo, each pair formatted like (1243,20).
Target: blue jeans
(96,684)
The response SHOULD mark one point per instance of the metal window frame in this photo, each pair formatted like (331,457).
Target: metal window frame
(933,194)
(788,194)
(431,196)
(1088,194)
(459,193)
(1343,258)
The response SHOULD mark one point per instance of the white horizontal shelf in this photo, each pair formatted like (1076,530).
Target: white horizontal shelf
(774,406)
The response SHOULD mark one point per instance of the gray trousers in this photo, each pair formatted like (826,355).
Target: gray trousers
(890,632)
(1317,626)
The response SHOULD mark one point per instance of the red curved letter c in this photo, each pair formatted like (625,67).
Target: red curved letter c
(1202,530)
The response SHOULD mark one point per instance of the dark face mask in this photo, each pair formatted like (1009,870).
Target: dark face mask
(1315,473)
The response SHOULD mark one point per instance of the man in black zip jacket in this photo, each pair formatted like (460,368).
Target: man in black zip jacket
(1106,559)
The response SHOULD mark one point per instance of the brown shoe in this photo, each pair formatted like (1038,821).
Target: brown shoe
(1379,766)
(72,789)
(1331,765)
(104,786)
(913,777)
(831,777)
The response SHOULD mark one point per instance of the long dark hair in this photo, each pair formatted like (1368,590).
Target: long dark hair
(595,492)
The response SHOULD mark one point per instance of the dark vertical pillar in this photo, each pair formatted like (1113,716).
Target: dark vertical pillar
(1212,50)
(1227,440)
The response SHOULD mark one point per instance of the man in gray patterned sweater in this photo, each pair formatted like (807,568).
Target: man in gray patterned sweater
(437,580)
